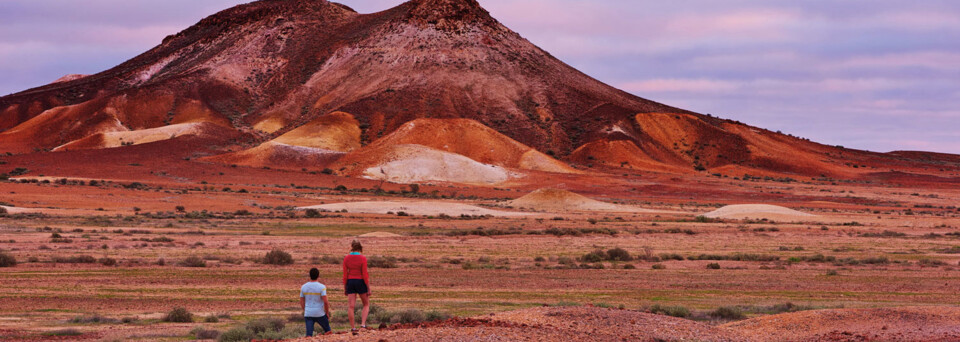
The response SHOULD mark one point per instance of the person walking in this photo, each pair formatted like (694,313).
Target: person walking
(313,302)
(356,282)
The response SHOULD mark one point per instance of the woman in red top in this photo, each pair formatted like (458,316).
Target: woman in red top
(356,281)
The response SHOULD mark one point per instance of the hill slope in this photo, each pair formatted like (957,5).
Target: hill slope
(266,68)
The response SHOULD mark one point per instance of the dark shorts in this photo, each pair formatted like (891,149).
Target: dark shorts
(323,321)
(357,286)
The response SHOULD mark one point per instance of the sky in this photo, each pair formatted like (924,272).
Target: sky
(879,75)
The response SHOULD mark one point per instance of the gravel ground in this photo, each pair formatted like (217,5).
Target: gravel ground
(584,324)
(553,324)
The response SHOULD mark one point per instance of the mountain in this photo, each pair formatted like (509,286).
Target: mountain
(270,69)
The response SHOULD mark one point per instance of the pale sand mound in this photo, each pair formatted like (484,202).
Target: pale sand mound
(380,235)
(884,324)
(430,208)
(553,324)
(17,210)
(468,138)
(562,200)
(417,164)
(757,211)
(123,138)
(316,144)
(337,131)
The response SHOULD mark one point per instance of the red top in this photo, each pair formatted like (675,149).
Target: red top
(355,267)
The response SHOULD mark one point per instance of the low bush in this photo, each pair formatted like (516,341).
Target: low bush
(312,213)
(595,256)
(95,318)
(658,267)
(728,313)
(238,334)
(79,259)
(178,315)
(63,332)
(713,266)
(7,260)
(204,334)
(619,254)
(108,261)
(382,262)
(193,261)
(211,319)
(674,311)
(278,257)
(261,325)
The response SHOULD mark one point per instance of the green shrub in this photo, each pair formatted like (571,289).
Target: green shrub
(728,313)
(63,332)
(238,334)
(278,257)
(312,213)
(595,256)
(674,311)
(108,261)
(713,266)
(7,260)
(80,259)
(178,315)
(434,315)
(205,334)
(619,254)
(95,318)
(267,324)
(212,319)
(409,316)
(658,267)
(382,262)
(193,261)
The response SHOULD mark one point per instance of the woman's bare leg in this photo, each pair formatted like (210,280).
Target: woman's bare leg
(365,298)
(351,304)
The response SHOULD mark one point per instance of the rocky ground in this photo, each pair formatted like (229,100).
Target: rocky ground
(601,324)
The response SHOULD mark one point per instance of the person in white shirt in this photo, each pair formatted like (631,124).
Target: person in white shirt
(313,301)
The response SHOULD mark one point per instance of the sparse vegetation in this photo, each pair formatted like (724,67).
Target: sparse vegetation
(7,260)
(278,257)
(178,315)
(675,311)
(193,261)
(728,313)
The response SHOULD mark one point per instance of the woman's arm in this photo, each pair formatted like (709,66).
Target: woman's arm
(344,271)
(366,276)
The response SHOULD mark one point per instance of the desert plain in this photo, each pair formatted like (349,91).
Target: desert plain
(106,254)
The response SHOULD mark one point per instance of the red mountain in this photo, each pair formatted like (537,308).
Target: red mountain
(252,73)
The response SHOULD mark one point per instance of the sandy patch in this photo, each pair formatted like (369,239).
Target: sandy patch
(417,163)
(16,210)
(414,208)
(757,211)
(123,138)
(548,199)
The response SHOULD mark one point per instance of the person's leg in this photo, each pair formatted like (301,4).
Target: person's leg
(309,321)
(351,305)
(365,298)
(325,324)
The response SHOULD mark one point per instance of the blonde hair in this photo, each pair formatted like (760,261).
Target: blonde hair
(355,246)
